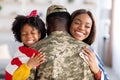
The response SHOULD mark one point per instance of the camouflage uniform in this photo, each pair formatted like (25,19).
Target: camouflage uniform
(62,59)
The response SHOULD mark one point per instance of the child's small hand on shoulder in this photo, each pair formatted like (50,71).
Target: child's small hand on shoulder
(36,60)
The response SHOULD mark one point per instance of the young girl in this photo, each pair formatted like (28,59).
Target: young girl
(27,30)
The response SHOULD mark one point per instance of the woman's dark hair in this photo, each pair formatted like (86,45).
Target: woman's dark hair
(34,22)
(91,38)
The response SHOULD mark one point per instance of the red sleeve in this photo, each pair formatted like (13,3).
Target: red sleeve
(28,51)
(98,75)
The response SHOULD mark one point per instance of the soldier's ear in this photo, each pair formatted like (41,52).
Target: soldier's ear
(46,25)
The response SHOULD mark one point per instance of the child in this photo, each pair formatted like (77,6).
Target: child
(27,30)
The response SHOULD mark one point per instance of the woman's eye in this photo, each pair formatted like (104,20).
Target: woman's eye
(88,26)
(23,34)
(77,22)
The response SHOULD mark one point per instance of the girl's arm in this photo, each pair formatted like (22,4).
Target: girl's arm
(22,73)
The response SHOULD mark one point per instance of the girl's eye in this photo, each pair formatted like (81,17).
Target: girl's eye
(34,32)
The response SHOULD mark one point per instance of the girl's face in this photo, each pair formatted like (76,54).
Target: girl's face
(81,26)
(29,35)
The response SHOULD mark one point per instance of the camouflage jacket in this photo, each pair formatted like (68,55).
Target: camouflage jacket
(62,59)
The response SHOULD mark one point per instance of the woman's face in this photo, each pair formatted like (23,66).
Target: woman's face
(81,26)
(29,35)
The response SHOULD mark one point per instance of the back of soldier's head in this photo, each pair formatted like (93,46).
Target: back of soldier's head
(57,18)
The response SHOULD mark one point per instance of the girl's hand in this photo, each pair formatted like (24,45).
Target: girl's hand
(36,60)
(91,59)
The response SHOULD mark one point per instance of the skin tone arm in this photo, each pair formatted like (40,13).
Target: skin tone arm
(24,70)
(91,59)
(36,60)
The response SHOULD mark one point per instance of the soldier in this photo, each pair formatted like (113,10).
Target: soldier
(61,49)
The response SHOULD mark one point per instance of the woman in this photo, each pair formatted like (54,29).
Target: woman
(83,28)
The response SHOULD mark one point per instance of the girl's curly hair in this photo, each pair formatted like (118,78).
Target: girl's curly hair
(34,22)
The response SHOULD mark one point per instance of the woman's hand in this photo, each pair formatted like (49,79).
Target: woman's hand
(91,59)
(36,60)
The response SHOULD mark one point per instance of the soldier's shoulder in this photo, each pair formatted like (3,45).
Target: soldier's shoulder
(38,44)
(78,42)
(82,43)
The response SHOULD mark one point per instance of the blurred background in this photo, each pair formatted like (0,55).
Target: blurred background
(106,13)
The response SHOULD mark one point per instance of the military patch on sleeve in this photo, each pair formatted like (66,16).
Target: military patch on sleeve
(83,56)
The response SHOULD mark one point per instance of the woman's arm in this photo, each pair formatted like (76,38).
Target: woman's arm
(101,66)
(95,64)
